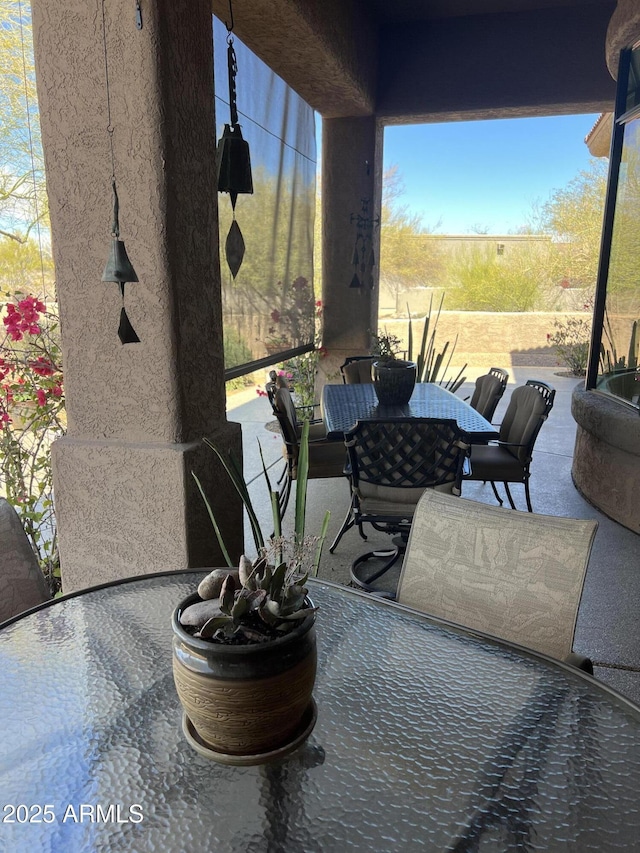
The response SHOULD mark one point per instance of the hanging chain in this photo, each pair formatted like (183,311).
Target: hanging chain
(110,128)
(232,65)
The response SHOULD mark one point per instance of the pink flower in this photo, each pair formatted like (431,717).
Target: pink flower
(4,417)
(41,396)
(260,392)
(24,317)
(57,390)
(42,366)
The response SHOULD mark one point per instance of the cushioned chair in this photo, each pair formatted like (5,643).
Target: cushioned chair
(326,458)
(391,463)
(22,584)
(356,369)
(508,460)
(488,392)
(277,380)
(515,575)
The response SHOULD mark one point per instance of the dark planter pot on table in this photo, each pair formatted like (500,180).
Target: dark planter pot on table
(394,381)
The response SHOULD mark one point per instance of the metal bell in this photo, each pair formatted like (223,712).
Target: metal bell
(234,163)
(118,267)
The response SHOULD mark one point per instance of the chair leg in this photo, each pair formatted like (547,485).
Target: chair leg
(527,495)
(364,583)
(506,488)
(347,524)
(495,492)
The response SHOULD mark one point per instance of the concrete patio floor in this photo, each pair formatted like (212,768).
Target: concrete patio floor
(608,628)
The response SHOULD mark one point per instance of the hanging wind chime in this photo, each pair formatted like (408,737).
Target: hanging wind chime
(363,255)
(118,268)
(234,163)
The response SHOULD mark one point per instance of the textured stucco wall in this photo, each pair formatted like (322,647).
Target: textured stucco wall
(137,412)
(623,31)
(327,50)
(606,458)
(351,171)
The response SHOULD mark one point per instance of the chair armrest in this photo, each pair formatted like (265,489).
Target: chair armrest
(507,443)
(308,416)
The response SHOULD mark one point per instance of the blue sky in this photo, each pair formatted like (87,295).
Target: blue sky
(485,173)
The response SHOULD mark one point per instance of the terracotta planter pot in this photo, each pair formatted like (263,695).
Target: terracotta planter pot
(394,381)
(244,699)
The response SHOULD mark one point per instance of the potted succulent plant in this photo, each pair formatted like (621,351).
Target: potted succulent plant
(244,651)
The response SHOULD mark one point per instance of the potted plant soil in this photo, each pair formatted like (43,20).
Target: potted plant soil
(244,648)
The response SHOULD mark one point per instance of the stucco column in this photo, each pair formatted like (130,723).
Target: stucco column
(623,31)
(125,499)
(351,172)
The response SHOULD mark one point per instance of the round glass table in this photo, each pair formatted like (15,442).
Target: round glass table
(428,738)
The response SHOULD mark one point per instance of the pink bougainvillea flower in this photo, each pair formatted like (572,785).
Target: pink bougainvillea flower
(4,417)
(57,390)
(24,317)
(322,351)
(260,392)
(319,303)
(42,366)
(41,396)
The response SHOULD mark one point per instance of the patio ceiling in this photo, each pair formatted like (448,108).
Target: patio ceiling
(433,60)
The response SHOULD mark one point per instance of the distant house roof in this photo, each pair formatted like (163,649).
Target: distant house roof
(598,140)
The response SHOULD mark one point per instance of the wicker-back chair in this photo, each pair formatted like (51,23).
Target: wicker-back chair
(391,463)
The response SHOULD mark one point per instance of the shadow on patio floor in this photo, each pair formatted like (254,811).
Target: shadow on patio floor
(608,629)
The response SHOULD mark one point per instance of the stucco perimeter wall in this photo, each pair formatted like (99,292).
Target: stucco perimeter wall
(606,459)
(489,338)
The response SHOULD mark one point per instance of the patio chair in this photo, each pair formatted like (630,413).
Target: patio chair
(515,575)
(326,458)
(488,391)
(357,369)
(391,463)
(508,460)
(277,380)
(22,584)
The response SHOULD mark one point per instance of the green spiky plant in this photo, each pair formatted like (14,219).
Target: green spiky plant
(432,365)
(263,598)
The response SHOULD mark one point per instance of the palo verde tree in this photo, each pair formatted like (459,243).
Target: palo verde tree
(406,259)
(23,201)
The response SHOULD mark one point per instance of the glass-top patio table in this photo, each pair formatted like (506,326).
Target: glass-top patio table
(343,405)
(428,738)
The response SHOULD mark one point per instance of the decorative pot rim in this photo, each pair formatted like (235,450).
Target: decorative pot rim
(239,650)
(395,363)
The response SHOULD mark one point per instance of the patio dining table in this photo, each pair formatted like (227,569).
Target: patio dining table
(428,738)
(343,405)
